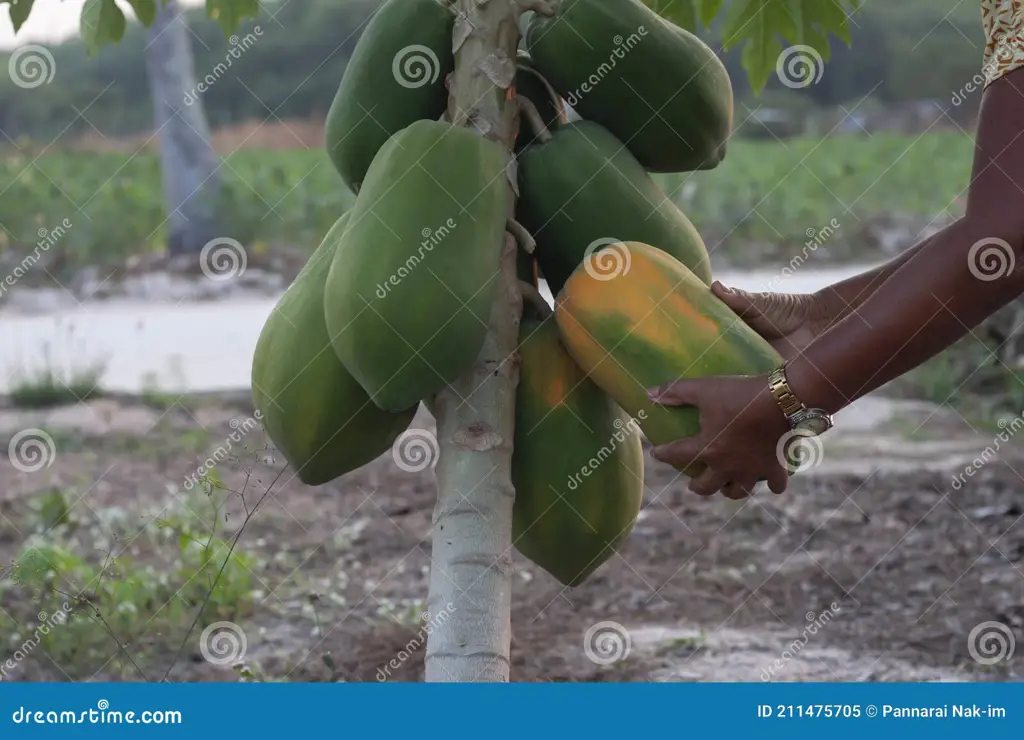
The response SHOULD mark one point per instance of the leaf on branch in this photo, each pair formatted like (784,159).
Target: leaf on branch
(102,23)
(761,27)
(229,13)
(145,11)
(19,10)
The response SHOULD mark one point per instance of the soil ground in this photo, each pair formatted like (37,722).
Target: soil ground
(891,563)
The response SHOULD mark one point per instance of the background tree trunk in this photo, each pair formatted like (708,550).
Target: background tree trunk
(189,166)
(471,561)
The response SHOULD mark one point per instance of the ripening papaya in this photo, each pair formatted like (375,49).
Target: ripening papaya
(408,296)
(396,75)
(577,463)
(530,85)
(314,411)
(653,323)
(654,85)
(583,189)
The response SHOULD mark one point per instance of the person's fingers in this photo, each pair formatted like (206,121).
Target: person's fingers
(708,483)
(743,303)
(680,453)
(739,490)
(778,479)
(678,393)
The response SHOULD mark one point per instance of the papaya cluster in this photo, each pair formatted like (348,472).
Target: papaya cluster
(394,304)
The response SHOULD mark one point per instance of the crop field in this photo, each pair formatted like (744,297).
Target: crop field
(765,193)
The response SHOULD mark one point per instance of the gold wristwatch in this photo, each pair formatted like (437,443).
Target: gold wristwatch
(806,421)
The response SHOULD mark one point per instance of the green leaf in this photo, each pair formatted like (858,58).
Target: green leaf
(19,10)
(145,11)
(229,13)
(102,23)
(709,10)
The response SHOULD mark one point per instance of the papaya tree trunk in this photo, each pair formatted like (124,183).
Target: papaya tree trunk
(188,164)
(470,578)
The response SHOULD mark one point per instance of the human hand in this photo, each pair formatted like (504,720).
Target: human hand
(740,429)
(788,321)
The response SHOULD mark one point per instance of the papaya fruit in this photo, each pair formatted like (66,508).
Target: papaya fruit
(313,410)
(577,463)
(396,75)
(655,323)
(582,189)
(408,296)
(530,85)
(654,85)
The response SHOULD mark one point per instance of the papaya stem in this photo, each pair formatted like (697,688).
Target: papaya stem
(555,97)
(523,237)
(532,296)
(541,7)
(529,111)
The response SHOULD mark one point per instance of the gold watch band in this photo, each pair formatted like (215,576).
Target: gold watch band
(779,387)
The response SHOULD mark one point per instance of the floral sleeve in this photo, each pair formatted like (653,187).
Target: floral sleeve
(1004,37)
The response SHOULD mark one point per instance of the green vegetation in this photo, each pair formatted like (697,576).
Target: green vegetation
(764,192)
(52,387)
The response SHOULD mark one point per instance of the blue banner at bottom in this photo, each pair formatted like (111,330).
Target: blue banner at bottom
(512,710)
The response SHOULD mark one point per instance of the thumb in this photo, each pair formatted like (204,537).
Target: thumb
(677,393)
(743,303)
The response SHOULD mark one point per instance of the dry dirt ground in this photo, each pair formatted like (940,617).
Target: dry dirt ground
(872,567)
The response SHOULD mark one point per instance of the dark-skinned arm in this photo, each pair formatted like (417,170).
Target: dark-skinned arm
(935,296)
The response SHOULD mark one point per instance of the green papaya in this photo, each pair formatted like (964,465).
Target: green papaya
(408,297)
(577,463)
(396,75)
(311,407)
(654,85)
(531,86)
(582,189)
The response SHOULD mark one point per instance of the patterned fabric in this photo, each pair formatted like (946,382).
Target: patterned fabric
(1004,34)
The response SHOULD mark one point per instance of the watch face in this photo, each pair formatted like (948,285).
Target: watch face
(814,424)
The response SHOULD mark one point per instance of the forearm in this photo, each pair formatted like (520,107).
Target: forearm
(930,301)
